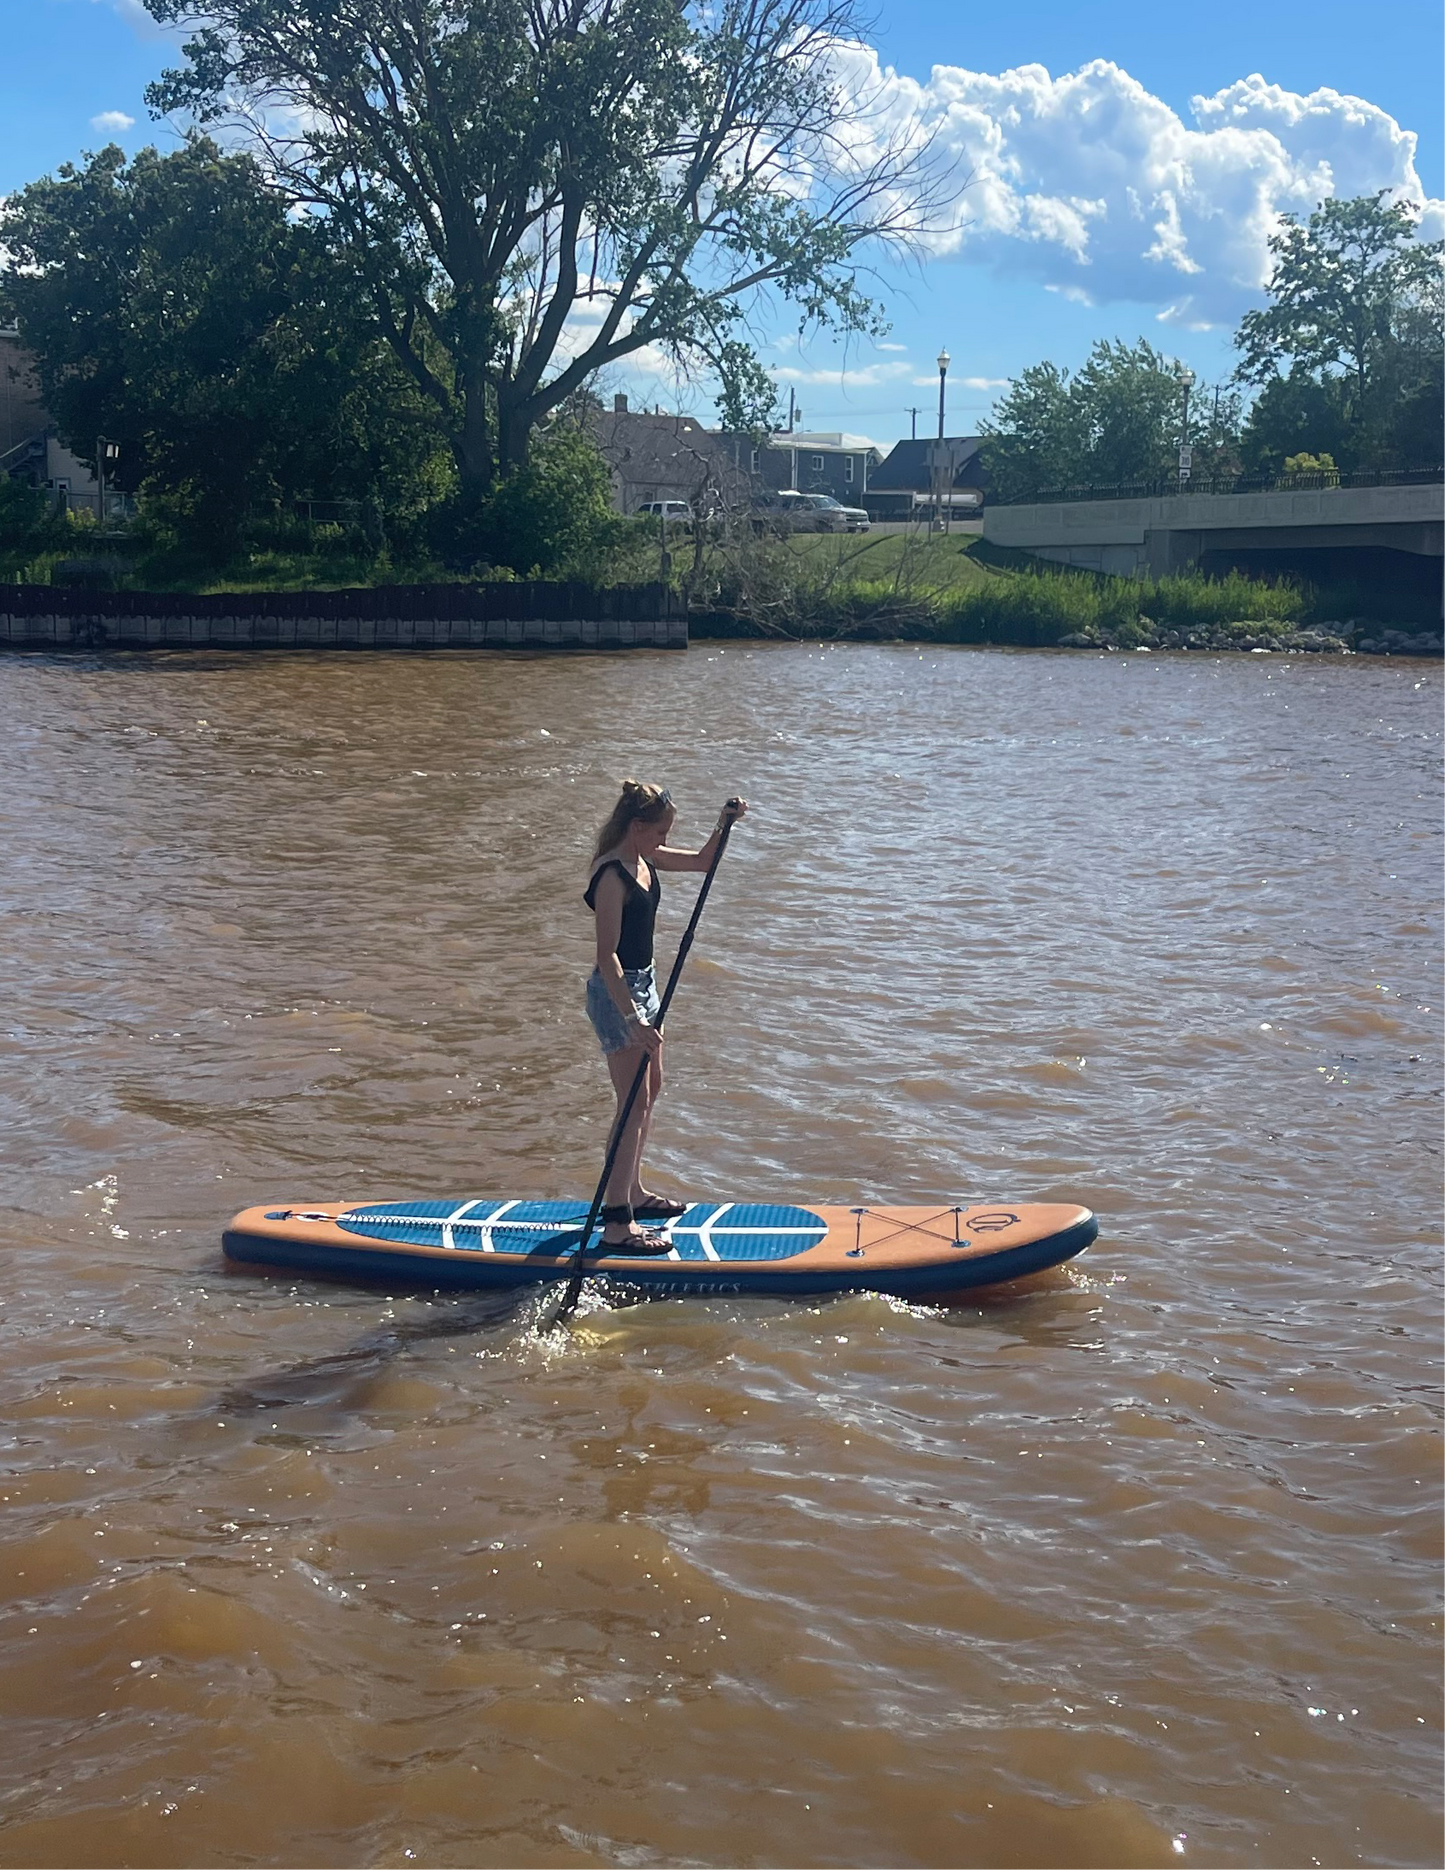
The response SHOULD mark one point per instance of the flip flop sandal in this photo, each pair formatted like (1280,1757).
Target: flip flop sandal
(635,1245)
(659,1208)
(639,1245)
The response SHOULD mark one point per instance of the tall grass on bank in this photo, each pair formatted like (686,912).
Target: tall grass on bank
(966,596)
(1044,607)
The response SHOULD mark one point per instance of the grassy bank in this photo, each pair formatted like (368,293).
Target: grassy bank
(957,591)
(877,586)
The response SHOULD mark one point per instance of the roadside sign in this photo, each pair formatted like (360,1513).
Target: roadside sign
(947,457)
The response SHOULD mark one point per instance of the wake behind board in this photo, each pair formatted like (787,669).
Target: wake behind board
(931,1254)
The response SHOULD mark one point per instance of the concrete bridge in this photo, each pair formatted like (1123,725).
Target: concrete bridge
(1390,533)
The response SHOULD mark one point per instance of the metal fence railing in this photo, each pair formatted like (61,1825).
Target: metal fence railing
(1231,484)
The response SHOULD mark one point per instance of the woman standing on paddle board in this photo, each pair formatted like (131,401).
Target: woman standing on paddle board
(622,997)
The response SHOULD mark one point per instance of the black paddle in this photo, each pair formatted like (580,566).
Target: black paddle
(579,1271)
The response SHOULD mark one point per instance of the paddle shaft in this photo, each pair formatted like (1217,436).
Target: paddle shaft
(574,1284)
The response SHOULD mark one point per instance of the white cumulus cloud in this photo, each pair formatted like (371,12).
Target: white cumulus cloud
(1099,190)
(134,14)
(849,376)
(112,122)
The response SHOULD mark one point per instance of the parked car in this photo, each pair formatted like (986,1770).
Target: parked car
(830,515)
(668,511)
(791,511)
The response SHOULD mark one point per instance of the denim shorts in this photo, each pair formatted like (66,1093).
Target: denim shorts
(607,1022)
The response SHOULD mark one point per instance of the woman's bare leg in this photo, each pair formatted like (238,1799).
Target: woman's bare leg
(653,1087)
(623,1068)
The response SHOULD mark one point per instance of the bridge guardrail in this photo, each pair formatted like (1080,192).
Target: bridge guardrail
(1234,483)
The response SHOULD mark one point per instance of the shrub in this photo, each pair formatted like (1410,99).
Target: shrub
(29,525)
(553,516)
(1312,464)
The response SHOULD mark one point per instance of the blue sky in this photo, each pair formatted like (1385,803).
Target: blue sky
(1103,205)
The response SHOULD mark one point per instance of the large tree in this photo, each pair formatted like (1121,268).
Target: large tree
(1117,420)
(1347,352)
(173,306)
(536,189)
(1035,438)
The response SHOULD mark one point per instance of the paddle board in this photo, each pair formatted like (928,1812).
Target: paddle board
(926,1253)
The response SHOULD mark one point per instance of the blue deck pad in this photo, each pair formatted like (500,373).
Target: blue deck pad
(710,1230)
(745,1231)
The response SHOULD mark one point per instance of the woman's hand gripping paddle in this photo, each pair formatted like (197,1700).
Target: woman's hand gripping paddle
(579,1271)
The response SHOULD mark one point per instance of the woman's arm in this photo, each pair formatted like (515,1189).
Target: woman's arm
(668,859)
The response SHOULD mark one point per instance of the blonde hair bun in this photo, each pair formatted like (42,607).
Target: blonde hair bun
(638,800)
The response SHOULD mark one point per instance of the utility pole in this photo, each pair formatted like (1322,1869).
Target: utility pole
(914,413)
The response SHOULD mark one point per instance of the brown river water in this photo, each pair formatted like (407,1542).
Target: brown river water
(1134,1563)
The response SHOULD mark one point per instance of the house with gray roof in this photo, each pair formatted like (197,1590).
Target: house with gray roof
(654,455)
(913,476)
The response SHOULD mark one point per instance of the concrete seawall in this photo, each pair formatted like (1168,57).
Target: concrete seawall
(525,614)
(243,632)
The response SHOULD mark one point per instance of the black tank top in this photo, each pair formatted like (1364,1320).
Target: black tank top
(639,913)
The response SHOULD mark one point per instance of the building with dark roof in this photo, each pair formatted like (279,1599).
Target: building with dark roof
(657,456)
(911,478)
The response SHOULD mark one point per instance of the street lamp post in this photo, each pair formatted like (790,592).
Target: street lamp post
(107,454)
(1185,379)
(938,468)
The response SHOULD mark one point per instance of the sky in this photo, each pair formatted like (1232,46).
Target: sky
(1125,165)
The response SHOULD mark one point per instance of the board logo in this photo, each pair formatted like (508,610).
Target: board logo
(991,1223)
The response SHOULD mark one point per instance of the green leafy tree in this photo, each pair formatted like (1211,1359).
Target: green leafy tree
(1216,422)
(552,516)
(1298,414)
(29,524)
(174,307)
(1037,436)
(1415,432)
(1347,352)
(1131,402)
(1118,420)
(747,402)
(534,192)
